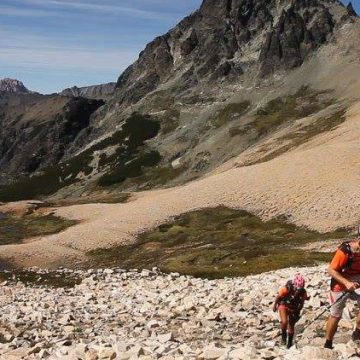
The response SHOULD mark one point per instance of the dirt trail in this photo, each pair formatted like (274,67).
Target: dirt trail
(316,185)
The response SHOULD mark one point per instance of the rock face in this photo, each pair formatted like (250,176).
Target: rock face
(301,28)
(37,129)
(226,38)
(12,86)
(102,91)
(115,314)
(351,9)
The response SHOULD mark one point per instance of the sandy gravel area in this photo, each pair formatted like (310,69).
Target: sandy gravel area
(316,185)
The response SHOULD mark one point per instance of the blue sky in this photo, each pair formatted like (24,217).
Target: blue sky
(54,44)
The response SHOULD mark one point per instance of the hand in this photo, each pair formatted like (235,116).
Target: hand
(351,286)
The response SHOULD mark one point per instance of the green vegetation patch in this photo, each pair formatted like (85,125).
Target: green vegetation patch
(306,133)
(52,279)
(320,125)
(14,229)
(170,121)
(129,169)
(218,242)
(129,141)
(111,198)
(230,112)
(156,176)
(289,108)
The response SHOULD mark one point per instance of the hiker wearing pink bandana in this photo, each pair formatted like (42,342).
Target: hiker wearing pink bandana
(289,303)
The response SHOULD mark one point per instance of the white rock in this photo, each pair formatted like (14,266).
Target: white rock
(212,352)
(152,324)
(163,338)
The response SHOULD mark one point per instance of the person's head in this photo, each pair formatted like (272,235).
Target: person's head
(299,281)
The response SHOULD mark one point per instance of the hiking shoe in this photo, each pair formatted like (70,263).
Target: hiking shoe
(290,341)
(356,335)
(328,344)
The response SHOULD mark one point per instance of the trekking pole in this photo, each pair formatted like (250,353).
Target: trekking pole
(346,293)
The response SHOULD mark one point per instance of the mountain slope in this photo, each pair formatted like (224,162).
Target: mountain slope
(281,146)
(315,186)
(203,80)
(224,80)
(36,129)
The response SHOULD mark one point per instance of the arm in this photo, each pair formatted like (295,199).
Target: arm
(276,303)
(283,292)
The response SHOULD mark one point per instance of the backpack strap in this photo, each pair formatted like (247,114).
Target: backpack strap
(345,247)
(289,297)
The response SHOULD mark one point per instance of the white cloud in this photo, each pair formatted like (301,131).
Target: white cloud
(101,7)
(71,59)
(29,51)
(24,12)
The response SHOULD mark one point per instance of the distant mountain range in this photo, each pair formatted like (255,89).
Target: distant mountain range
(92,92)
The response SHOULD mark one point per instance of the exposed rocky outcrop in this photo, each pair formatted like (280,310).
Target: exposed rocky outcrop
(37,129)
(301,29)
(222,36)
(121,315)
(12,86)
(351,9)
(102,91)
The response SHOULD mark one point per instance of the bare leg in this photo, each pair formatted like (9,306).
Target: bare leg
(331,327)
(283,313)
(356,333)
(291,329)
(358,321)
(283,318)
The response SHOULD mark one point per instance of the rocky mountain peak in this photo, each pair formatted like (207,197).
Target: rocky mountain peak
(226,40)
(12,86)
(351,9)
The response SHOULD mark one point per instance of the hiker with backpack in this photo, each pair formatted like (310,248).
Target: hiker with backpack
(289,303)
(344,270)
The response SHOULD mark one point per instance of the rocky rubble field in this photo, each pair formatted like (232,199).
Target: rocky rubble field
(113,314)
